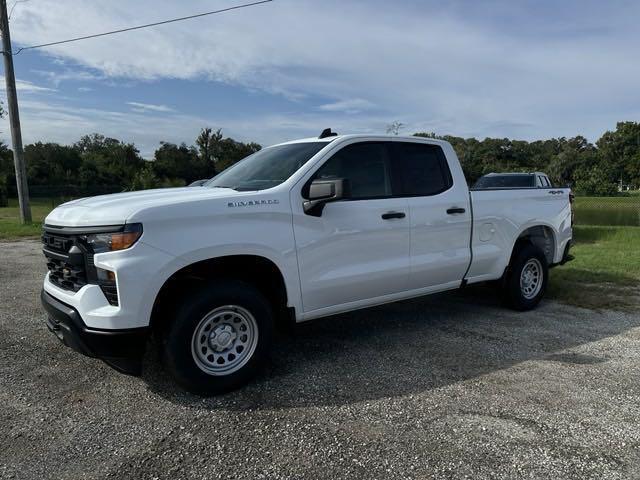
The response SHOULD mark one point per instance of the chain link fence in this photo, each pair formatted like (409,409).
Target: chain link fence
(623,210)
(54,195)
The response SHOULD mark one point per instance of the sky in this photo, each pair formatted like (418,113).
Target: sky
(290,68)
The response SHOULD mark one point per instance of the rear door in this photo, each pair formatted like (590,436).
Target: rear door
(440,216)
(358,249)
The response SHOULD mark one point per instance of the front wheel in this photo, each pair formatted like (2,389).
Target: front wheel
(526,280)
(219,337)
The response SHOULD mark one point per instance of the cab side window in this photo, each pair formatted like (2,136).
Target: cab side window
(365,165)
(422,169)
(543,182)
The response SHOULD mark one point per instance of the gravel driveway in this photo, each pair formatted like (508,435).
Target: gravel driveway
(452,386)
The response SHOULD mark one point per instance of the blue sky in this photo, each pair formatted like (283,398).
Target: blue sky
(290,68)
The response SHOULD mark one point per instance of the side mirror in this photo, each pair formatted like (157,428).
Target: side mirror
(323,191)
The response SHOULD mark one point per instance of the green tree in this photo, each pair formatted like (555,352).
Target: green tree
(107,161)
(207,143)
(51,164)
(620,151)
(595,181)
(571,155)
(221,152)
(228,151)
(7,172)
(145,178)
(181,162)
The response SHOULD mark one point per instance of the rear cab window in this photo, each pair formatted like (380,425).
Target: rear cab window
(420,169)
(506,181)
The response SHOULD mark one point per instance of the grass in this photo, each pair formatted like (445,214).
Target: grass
(10,226)
(604,274)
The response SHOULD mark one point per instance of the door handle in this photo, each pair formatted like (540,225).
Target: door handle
(390,215)
(452,211)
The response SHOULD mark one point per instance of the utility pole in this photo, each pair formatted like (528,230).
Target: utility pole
(14,117)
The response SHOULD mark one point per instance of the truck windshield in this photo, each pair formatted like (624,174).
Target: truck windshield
(266,168)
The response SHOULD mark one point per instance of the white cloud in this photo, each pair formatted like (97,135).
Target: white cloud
(57,78)
(351,106)
(24,86)
(425,64)
(54,121)
(149,107)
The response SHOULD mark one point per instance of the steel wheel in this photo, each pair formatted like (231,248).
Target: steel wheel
(531,278)
(224,340)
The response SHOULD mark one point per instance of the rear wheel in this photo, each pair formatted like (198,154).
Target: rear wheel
(526,280)
(219,337)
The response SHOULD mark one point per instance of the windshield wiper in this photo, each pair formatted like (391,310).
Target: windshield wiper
(222,186)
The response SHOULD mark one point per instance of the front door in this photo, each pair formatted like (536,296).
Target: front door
(358,249)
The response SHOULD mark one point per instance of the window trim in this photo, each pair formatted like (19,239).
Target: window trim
(395,174)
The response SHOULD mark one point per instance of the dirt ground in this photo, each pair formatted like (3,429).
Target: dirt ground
(453,386)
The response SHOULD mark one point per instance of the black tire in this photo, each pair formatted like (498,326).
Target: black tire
(180,361)
(515,295)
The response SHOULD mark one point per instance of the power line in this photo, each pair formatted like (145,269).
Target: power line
(138,27)
(14,6)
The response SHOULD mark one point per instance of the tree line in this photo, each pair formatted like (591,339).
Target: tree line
(97,164)
(590,169)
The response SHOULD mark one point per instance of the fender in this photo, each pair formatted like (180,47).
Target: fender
(287,264)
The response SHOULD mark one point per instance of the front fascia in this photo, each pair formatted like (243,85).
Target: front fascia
(136,297)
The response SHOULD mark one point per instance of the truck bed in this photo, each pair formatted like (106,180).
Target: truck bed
(500,216)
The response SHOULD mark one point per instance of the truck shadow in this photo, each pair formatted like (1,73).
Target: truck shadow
(406,348)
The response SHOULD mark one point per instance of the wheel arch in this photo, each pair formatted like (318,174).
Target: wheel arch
(259,271)
(540,235)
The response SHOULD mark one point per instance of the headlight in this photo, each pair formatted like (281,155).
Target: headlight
(113,241)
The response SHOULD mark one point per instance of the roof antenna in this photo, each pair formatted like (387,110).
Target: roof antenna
(327,133)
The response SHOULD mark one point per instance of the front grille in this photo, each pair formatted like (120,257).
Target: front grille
(57,243)
(65,261)
(65,275)
(111,293)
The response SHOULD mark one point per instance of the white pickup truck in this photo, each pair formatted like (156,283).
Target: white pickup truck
(296,231)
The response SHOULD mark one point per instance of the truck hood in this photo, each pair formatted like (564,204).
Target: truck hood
(116,208)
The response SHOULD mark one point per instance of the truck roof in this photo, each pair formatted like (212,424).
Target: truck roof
(494,174)
(367,136)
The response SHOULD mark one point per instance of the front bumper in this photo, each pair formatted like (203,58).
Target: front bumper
(121,349)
